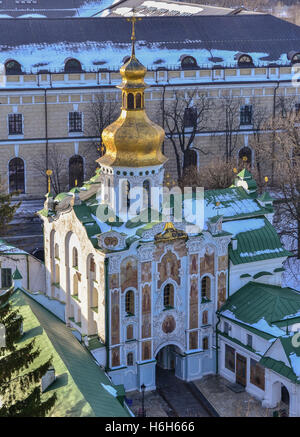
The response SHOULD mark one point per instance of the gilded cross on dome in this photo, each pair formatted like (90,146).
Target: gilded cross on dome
(133,20)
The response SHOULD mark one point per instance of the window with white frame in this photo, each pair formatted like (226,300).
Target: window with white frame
(15,124)
(75,121)
(246,115)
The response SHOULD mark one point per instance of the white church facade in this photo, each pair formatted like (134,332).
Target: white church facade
(144,289)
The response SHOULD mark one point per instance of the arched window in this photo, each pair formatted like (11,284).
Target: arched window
(125,195)
(16,175)
(146,194)
(296,58)
(138,101)
(205,317)
(205,343)
(12,67)
(130,101)
(129,332)
(205,287)
(56,251)
(75,171)
(130,359)
(190,158)
(188,62)
(169,296)
(124,100)
(75,257)
(245,61)
(129,302)
(92,265)
(73,66)
(245,155)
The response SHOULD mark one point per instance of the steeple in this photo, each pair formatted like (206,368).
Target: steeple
(133,140)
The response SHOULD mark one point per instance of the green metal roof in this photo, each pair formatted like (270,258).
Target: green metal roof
(293,356)
(265,197)
(81,384)
(257,244)
(255,302)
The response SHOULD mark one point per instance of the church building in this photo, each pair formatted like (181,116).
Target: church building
(143,289)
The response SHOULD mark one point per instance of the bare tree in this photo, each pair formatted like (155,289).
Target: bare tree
(285,159)
(58,163)
(184,117)
(229,123)
(218,173)
(100,113)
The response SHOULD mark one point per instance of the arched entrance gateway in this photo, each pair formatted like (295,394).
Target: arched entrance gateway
(169,357)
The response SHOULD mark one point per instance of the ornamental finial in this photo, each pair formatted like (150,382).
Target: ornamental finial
(133,20)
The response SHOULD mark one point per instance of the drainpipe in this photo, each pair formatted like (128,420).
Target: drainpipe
(163,114)
(217,343)
(107,311)
(274,114)
(28,272)
(46,132)
(228,275)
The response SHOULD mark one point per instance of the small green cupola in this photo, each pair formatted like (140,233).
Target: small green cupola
(245,179)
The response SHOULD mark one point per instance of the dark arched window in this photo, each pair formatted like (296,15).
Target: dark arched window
(130,101)
(245,61)
(129,302)
(124,100)
(146,194)
(205,287)
(188,62)
(125,195)
(130,359)
(205,343)
(75,171)
(169,296)
(138,101)
(16,175)
(73,66)
(245,155)
(12,67)
(190,158)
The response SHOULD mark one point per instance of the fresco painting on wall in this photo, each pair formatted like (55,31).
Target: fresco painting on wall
(221,289)
(169,268)
(115,357)
(207,262)
(223,262)
(194,304)
(146,272)
(193,340)
(146,311)
(194,264)
(115,318)
(114,281)
(168,325)
(129,275)
(146,350)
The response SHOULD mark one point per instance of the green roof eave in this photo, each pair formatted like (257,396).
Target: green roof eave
(280,368)
(262,334)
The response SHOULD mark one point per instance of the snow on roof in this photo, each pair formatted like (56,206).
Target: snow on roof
(211,40)
(295,362)
(260,325)
(238,226)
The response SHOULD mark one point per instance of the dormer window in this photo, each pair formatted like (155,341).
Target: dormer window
(73,66)
(188,62)
(245,61)
(12,67)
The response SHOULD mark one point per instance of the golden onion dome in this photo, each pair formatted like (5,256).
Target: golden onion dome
(133,140)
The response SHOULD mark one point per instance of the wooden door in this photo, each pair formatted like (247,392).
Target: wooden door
(241,369)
